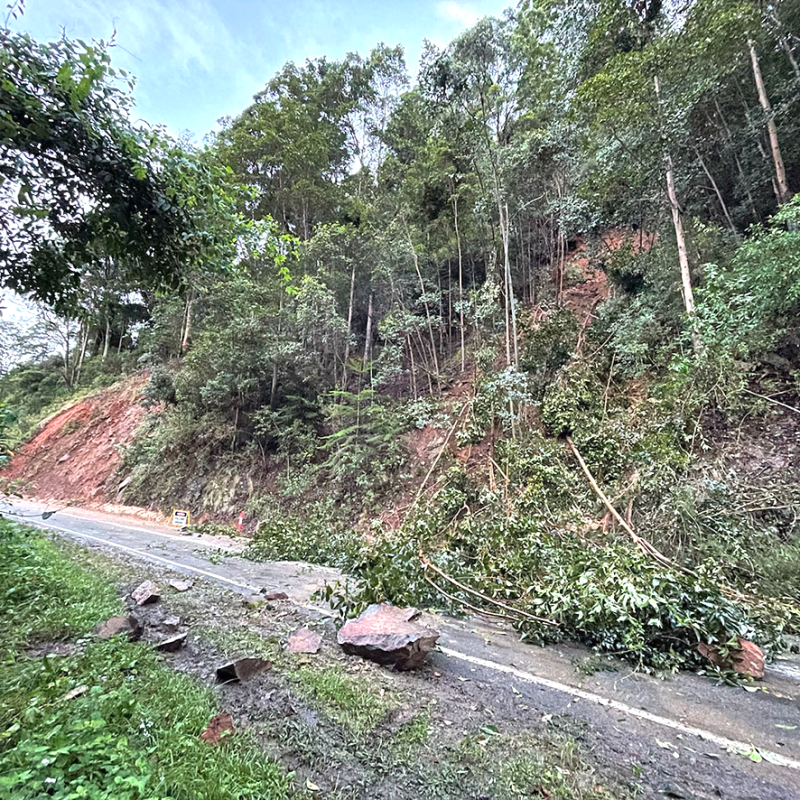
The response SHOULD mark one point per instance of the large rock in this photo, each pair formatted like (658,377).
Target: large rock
(385,634)
(173,644)
(128,626)
(146,593)
(748,659)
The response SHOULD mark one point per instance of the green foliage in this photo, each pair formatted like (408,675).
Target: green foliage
(319,534)
(82,182)
(751,306)
(606,594)
(7,418)
(131,730)
(364,449)
(548,348)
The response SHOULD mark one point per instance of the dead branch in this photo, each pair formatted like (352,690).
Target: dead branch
(772,400)
(441,451)
(471,607)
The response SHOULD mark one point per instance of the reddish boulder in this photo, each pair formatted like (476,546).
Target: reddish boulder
(385,633)
(747,659)
(219,728)
(304,640)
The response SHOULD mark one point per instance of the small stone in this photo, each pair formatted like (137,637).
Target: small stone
(171,624)
(76,692)
(146,593)
(181,586)
(274,595)
(385,633)
(243,669)
(219,728)
(173,644)
(128,626)
(304,640)
(748,659)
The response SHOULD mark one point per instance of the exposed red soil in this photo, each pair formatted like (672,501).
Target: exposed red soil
(592,288)
(75,454)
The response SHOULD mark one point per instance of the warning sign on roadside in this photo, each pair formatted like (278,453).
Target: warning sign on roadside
(180,518)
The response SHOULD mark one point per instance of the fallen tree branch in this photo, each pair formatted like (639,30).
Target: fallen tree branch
(441,451)
(464,603)
(427,564)
(772,400)
(640,542)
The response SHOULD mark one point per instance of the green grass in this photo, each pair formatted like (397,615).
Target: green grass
(350,701)
(133,731)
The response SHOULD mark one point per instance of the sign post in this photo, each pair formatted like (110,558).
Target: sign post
(180,518)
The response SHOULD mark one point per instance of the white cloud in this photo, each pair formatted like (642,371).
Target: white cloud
(461,13)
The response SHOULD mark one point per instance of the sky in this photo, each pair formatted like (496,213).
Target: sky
(199,60)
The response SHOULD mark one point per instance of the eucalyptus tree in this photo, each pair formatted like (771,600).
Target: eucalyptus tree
(474,83)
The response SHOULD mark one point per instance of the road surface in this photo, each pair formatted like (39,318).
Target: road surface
(635,713)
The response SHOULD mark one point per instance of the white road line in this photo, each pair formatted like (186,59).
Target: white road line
(666,722)
(174,564)
(172,536)
(142,553)
(528,677)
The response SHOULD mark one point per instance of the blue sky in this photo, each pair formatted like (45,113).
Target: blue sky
(198,60)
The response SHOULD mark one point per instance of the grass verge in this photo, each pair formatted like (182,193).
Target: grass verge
(103,719)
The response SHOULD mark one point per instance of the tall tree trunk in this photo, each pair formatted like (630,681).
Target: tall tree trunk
(107,338)
(368,336)
(460,281)
(722,204)
(425,304)
(349,324)
(780,170)
(82,355)
(187,328)
(511,299)
(677,223)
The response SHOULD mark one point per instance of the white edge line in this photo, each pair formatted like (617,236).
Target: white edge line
(140,553)
(563,688)
(721,741)
(90,521)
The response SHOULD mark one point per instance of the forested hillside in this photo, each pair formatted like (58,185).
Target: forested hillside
(520,332)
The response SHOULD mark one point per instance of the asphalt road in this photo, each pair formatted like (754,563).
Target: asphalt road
(640,716)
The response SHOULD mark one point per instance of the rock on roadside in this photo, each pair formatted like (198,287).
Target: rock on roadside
(243,669)
(129,626)
(748,659)
(385,633)
(306,641)
(173,644)
(146,593)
